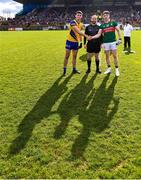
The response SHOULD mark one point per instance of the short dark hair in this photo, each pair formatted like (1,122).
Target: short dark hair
(79,12)
(106,12)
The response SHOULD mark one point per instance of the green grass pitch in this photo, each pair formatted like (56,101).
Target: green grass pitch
(76,126)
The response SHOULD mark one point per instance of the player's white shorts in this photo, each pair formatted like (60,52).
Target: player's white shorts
(110,46)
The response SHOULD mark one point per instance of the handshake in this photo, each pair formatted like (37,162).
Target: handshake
(89,38)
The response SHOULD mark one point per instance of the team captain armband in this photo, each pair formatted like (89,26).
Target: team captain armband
(73,23)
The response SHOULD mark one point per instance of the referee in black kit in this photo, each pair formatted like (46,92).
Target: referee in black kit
(93,46)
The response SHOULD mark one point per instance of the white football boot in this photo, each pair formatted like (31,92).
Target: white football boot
(117,72)
(108,71)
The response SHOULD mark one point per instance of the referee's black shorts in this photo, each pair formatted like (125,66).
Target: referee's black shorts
(93,47)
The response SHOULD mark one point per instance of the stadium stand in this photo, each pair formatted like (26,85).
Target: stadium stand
(56,14)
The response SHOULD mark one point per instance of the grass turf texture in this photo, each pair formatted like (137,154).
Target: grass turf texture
(67,127)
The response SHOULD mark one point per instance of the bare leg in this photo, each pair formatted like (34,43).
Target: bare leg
(74,56)
(108,62)
(107,58)
(67,55)
(114,52)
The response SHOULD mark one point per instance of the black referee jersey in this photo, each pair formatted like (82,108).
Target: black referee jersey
(94,45)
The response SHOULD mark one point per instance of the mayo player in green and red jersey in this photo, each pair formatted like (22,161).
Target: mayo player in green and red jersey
(108,29)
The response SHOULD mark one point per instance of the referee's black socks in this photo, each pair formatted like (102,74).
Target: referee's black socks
(97,64)
(89,64)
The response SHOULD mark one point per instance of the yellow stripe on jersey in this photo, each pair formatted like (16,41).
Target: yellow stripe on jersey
(74,36)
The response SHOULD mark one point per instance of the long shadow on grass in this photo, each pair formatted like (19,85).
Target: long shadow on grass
(71,104)
(41,110)
(95,115)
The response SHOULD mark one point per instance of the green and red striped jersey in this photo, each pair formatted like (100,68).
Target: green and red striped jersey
(108,30)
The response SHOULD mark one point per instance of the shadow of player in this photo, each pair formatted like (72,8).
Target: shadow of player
(41,110)
(95,115)
(72,103)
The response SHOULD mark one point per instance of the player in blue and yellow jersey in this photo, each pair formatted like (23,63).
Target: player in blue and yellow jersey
(74,41)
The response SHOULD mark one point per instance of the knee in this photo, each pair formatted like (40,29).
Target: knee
(67,57)
(74,58)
